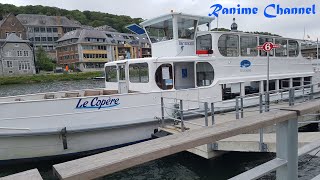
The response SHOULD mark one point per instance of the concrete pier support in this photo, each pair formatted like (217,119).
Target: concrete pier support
(287,134)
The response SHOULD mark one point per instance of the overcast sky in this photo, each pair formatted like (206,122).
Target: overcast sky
(285,25)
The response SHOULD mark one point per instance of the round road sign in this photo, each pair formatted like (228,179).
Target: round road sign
(268,46)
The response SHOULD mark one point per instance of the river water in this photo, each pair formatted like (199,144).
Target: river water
(181,166)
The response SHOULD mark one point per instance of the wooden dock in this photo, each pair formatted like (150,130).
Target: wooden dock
(26,175)
(116,160)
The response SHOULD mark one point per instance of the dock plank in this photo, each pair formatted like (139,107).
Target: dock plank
(32,174)
(116,160)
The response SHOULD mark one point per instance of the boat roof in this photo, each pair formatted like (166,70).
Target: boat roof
(161,60)
(202,19)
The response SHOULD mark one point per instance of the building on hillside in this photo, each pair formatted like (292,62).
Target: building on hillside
(16,56)
(43,31)
(309,51)
(106,28)
(137,45)
(11,25)
(88,50)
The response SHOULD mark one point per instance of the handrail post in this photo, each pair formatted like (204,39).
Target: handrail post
(206,113)
(237,107)
(212,113)
(162,113)
(181,116)
(311,92)
(287,149)
(241,105)
(267,101)
(291,97)
(261,144)
(260,103)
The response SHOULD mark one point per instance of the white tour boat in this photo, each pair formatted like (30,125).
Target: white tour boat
(187,63)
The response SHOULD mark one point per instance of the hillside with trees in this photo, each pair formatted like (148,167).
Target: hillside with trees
(90,18)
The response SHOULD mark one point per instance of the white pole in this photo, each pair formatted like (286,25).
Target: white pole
(218,22)
(268,71)
(317,49)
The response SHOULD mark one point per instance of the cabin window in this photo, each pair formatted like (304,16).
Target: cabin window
(284,83)
(307,80)
(186,28)
(230,91)
(263,40)
(283,49)
(272,85)
(228,45)
(164,77)
(296,82)
(248,46)
(293,47)
(252,87)
(139,73)
(308,50)
(162,30)
(204,42)
(111,74)
(205,74)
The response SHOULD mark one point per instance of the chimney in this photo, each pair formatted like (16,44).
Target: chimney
(58,18)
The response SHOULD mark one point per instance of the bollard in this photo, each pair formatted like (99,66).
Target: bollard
(181,116)
(212,113)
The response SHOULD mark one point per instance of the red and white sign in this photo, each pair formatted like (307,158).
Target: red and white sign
(268,46)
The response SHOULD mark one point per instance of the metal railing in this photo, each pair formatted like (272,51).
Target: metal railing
(289,96)
(178,112)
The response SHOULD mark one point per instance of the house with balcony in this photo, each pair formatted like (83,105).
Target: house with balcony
(86,50)
(89,49)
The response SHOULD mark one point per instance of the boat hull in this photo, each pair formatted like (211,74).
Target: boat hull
(37,146)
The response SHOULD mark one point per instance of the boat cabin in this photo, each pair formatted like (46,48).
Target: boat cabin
(184,57)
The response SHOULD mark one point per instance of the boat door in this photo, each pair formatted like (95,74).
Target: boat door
(184,81)
(122,74)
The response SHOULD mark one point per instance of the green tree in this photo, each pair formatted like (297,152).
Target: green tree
(43,62)
(220,29)
(91,18)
